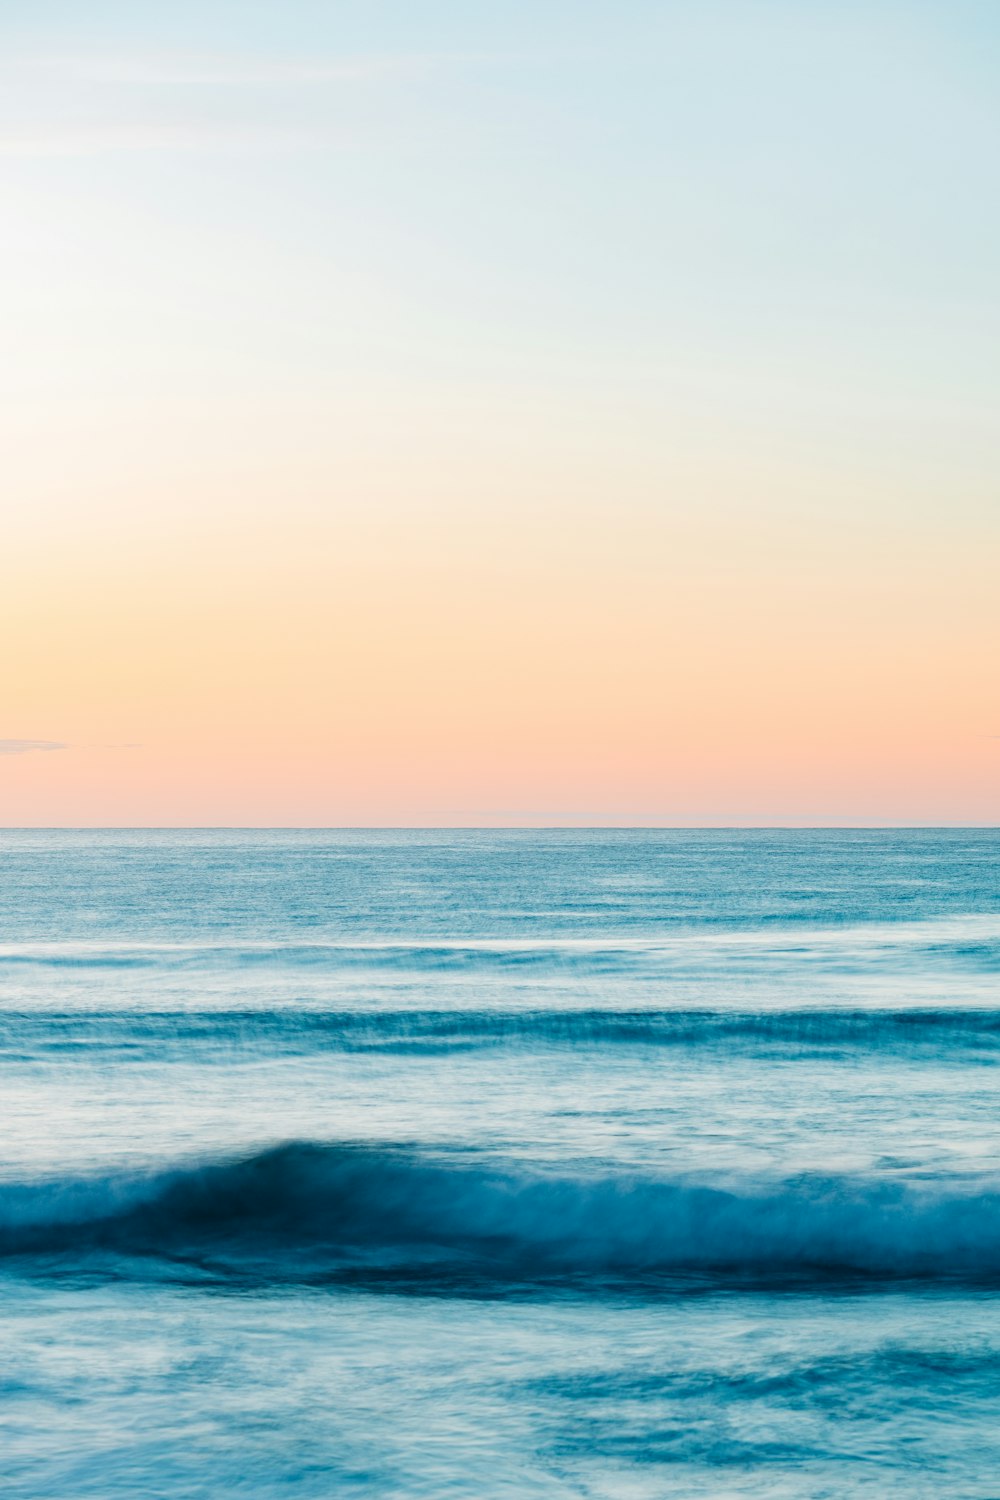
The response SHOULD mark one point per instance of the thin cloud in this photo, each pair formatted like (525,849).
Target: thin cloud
(93,105)
(25,747)
(128,138)
(236,71)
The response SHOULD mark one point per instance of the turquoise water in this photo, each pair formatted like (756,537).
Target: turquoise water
(499,1163)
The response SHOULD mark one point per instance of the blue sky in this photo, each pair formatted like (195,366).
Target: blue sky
(790,207)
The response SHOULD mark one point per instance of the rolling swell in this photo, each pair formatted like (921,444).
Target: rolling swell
(375,1214)
(944,1035)
(970,942)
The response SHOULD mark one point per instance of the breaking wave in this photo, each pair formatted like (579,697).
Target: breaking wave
(400,1215)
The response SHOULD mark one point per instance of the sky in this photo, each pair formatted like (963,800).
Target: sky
(439,413)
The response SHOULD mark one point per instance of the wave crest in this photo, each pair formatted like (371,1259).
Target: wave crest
(370,1212)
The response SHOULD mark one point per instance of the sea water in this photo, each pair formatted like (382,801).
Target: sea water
(543,1163)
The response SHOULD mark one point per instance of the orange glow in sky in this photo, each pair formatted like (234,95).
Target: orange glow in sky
(505,429)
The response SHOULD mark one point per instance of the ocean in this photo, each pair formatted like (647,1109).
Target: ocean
(570,1163)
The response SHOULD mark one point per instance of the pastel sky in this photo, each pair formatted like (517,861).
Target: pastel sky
(472,413)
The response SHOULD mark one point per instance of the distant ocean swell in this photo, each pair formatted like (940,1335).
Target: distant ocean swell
(971,940)
(333,1212)
(947,1035)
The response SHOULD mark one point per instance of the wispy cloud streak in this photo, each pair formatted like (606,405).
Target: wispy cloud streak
(91,104)
(25,747)
(131,138)
(236,71)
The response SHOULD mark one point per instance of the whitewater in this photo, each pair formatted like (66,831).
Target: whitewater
(498,1163)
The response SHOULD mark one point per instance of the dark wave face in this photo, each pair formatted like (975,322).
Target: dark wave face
(369,1213)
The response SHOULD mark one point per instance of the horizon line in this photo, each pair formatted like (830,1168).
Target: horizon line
(498,827)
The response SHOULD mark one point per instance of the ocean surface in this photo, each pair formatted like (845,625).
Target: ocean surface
(561,1163)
